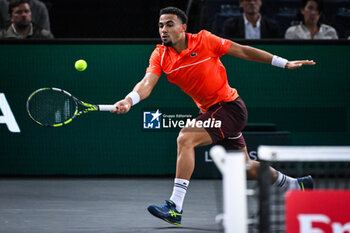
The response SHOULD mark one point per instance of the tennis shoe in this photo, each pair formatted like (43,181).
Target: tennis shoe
(306,182)
(166,212)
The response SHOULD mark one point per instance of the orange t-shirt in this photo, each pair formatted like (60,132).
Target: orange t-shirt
(197,70)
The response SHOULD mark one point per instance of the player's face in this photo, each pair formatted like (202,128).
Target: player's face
(171,29)
(311,13)
(21,15)
(251,6)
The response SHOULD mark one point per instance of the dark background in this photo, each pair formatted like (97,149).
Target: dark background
(106,18)
(138,19)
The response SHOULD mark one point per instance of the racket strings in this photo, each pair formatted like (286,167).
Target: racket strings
(49,107)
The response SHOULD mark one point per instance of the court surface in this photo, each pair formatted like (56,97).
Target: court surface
(103,205)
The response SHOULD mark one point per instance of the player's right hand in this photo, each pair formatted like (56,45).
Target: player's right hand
(122,106)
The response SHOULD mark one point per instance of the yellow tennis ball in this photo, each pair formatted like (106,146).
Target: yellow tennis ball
(80,65)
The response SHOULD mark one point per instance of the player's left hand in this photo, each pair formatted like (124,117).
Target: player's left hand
(297,64)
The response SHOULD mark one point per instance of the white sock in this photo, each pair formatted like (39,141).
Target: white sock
(285,182)
(179,192)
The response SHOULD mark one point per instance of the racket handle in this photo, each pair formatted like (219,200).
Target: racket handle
(106,107)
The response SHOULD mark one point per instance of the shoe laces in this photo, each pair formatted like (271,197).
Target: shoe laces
(169,204)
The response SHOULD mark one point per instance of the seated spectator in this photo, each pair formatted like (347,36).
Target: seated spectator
(251,25)
(21,23)
(310,26)
(40,14)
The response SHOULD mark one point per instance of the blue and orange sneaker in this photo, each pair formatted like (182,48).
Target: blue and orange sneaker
(166,212)
(306,182)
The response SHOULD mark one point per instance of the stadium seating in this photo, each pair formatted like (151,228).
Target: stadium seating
(215,12)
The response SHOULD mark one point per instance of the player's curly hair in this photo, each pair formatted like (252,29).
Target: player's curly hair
(174,11)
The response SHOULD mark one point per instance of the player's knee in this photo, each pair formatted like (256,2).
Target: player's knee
(184,140)
(252,170)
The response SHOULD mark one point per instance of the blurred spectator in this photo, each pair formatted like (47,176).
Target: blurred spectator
(251,24)
(21,23)
(310,26)
(40,14)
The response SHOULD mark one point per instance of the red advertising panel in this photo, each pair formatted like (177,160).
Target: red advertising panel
(323,211)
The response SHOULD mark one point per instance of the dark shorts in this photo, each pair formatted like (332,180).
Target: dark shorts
(233,116)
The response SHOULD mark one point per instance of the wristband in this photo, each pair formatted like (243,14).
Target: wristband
(134,96)
(279,62)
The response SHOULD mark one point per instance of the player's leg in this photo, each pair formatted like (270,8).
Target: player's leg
(234,116)
(188,139)
(252,172)
(279,179)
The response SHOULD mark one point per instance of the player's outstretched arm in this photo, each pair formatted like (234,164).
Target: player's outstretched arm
(140,92)
(258,55)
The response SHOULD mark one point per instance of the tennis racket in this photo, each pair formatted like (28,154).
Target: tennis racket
(54,107)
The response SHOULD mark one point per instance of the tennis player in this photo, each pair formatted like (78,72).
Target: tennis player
(192,61)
